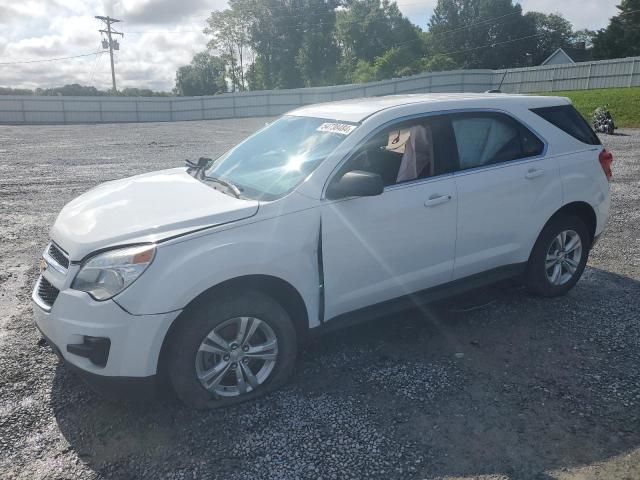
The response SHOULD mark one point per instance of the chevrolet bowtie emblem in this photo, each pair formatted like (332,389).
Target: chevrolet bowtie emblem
(43,265)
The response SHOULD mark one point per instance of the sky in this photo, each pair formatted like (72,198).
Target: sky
(159,36)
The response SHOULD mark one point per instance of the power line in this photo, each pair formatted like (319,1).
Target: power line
(622,14)
(50,59)
(491,21)
(165,31)
(95,67)
(491,45)
(310,13)
(506,41)
(292,27)
(488,21)
(464,27)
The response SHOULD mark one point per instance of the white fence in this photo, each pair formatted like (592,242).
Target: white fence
(622,72)
(34,110)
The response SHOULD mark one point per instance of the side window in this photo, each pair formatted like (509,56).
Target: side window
(404,152)
(488,138)
(567,119)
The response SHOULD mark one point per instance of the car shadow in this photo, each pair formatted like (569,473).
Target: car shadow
(495,382)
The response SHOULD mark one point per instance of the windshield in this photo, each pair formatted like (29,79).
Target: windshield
(275,160)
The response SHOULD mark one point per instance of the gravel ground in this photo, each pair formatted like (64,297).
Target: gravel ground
(495,385)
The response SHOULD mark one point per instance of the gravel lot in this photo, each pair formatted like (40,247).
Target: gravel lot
(496,385)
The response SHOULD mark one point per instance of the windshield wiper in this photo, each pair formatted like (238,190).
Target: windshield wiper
(230,186)
(197,169)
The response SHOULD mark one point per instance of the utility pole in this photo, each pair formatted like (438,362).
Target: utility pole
(112,43)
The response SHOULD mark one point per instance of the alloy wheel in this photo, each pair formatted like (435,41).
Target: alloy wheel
(563,257)
(237,356)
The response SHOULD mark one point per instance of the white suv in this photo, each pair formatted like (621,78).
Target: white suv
(211,276)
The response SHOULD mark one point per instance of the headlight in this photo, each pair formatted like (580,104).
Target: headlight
(107,274)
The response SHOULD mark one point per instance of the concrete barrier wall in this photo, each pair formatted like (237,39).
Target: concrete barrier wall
(36,110)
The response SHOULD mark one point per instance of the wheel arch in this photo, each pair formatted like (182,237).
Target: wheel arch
(584,212)
(281,290)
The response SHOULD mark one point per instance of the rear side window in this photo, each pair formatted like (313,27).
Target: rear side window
(567,119)
(489,138)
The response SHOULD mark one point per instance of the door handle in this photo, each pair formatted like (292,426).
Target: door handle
(533,173)
(437,200)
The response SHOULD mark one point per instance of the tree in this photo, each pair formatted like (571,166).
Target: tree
(366,29)
(15,91)
(376,32)
(364,72)
(275,38)
(141,92)
(395,62)
(292,41)
(622,37)
(318,55)
(296,43)
(481,33)
(76,89)
(230,36)
(205,75)
(554,31)
(584,36)
(438,63)
(71,90)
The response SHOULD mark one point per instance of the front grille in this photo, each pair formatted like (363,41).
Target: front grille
(58,255)
(47,292)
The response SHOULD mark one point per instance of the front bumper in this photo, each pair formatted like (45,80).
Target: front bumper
(134,340)
(114,388)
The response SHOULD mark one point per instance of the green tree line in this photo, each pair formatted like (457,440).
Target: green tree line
(275,44)
(77,90)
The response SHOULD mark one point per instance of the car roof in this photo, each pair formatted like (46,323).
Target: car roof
(356,110)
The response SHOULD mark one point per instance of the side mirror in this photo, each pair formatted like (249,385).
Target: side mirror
(356,183)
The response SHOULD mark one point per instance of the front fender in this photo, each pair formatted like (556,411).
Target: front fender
(284,247)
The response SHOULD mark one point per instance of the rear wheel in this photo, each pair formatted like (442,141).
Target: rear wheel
(558,257)
(231,348)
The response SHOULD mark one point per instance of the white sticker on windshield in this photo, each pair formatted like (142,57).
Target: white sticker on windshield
(341,128)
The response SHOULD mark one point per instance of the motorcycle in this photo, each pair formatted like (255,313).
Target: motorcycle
(603,121)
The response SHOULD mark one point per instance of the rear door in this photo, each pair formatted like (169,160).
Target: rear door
(507,190)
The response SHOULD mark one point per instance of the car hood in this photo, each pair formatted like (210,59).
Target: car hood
(144,208)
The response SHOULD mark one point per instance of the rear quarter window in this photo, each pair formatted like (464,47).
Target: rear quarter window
(567,119)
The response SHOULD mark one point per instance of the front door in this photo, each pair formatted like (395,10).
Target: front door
(402,241)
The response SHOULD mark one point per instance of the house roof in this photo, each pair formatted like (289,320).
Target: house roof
(578,54)
(574,54)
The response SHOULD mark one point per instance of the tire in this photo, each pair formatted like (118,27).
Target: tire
(194,359)
(544,281)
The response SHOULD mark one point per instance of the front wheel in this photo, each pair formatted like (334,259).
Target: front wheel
(558,257)
(231,348)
